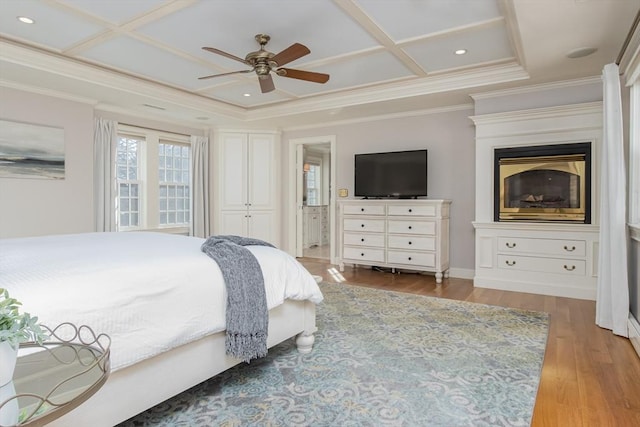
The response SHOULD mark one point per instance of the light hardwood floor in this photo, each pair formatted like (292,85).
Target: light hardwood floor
(590,377)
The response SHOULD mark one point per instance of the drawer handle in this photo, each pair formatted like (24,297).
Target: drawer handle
(409,227)
(409,241)
(566,267)
(362,240)
(362,225)
(570,249)
(361,209)
(362,254)
(410,210)
(409,258)
(510,263)
(511,245)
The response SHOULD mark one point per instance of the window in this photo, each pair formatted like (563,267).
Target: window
(153,177)
(127,169)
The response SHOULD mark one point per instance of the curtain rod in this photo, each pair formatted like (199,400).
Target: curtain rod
(628,39)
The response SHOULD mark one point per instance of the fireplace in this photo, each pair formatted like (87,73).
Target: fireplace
(543,183)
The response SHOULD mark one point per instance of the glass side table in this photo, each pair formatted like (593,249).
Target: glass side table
(53,378)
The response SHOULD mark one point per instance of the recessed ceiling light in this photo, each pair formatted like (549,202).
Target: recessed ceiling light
(581,52)
(461,51)
(246,94)
(25,20)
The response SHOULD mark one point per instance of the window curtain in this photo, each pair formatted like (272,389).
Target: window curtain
(612,300)
(105,140)
(200,186)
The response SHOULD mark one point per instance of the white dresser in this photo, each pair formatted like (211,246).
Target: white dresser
(403,234)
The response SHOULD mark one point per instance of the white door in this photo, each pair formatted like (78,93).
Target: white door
(300,244)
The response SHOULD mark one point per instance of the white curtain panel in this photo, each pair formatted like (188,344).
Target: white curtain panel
(612,301)
(105,140)
(200,186)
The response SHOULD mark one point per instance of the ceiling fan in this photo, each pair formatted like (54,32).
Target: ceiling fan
(264,62)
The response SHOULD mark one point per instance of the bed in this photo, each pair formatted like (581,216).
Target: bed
(159,298)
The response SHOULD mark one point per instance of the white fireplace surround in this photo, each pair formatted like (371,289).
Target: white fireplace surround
(549,258)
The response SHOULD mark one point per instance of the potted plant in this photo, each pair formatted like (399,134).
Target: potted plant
(15,328)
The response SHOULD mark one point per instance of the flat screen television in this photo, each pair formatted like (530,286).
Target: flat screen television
(397,174)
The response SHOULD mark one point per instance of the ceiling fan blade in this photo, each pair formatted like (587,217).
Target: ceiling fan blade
(225,54)
(303,75)
(224,74)
(266,83)
(291,53)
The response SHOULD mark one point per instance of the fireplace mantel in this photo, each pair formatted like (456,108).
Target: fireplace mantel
(536,257)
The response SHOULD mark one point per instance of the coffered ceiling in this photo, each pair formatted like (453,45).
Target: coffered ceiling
(383,56)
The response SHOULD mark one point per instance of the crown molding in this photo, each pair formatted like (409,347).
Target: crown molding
(424,86)
(48,92)
(56,64)
(413,113)
(521,90)
(14,52)
(540,113)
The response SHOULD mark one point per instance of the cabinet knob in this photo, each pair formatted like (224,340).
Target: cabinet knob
(569,249)
(362,225)
(362,240)
(362,254)
(409,258)
(410,242)
(361,209)
(566,267)
(410,227)
(510,263)
(511,245)
(410,210)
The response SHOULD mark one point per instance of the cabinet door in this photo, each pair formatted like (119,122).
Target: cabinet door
(233,222)
(261,171)
(233,171)
(262,225)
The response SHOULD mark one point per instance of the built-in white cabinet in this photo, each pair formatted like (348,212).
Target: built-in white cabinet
(247,185)
(315,225)
(397,234)
(550,259)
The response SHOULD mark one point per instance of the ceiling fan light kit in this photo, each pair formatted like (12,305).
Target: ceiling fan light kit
(263,62)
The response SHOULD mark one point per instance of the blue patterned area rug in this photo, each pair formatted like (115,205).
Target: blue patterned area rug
(380,359)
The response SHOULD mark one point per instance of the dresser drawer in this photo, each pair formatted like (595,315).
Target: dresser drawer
(574,267)
(412,242)
(364,239)
(412,258)
(411,210)
(363,254)
(364,209)
(372,225)
(561,247)
(412,227)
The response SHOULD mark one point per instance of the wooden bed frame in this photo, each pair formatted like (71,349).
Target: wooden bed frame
(136,388)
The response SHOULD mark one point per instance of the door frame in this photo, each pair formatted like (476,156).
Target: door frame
(295,194)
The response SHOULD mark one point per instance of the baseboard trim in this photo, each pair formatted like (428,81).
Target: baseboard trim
(634,333)
(535,288)
(462,273)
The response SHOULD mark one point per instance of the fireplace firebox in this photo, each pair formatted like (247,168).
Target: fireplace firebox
(543,183)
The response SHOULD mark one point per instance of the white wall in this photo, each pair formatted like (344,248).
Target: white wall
(31,207)
(448,136)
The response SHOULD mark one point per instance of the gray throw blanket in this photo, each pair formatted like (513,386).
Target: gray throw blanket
(247,315)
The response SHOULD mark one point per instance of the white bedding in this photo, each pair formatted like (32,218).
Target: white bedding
(149,292)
